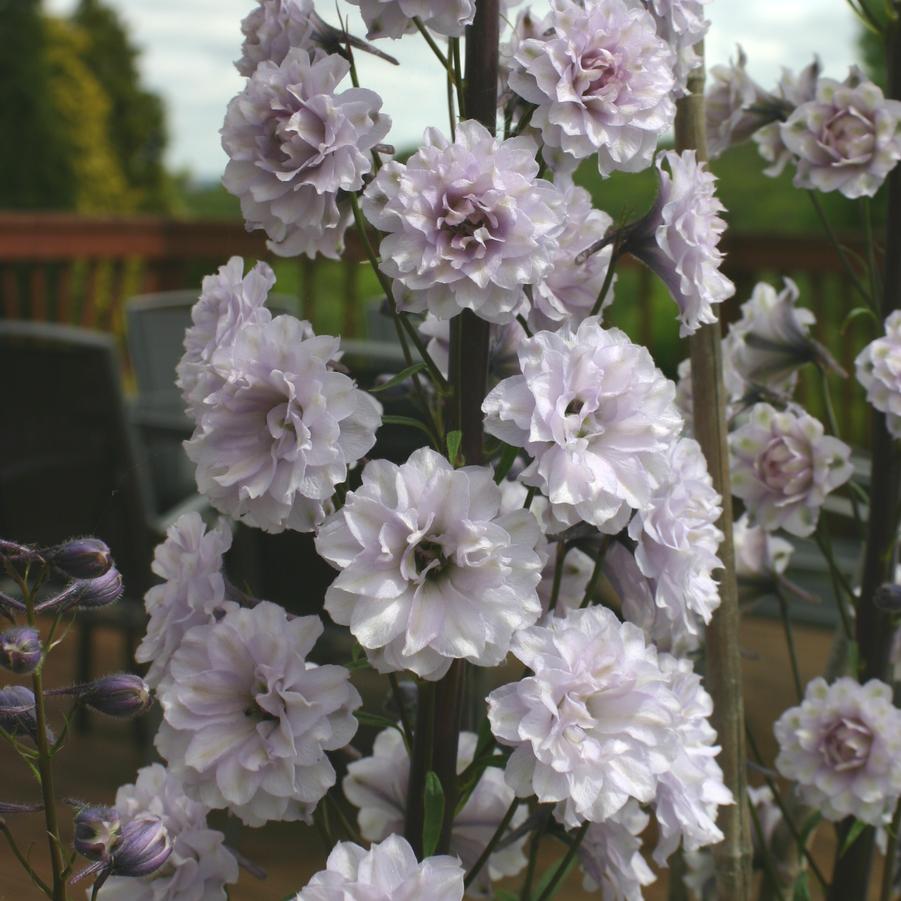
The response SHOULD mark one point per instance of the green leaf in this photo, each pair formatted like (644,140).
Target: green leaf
(409,422)
(508,455)
(397,379)
(433,802)
(375,719)
(453,445)
(856,313)
(853,834)
(801,890)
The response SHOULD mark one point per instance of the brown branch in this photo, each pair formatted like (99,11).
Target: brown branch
(733,854)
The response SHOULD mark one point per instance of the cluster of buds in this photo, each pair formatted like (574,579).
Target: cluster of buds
(136,847)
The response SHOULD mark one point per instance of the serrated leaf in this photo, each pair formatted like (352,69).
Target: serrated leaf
(508,456)
(454,439)
(397,379)
(433,804)
(853,834)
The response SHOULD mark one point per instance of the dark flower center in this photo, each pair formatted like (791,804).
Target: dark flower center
(430,560)
(846,745)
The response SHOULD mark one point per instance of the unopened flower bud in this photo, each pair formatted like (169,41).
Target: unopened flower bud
(20,649)
(121,695)
(17,715)
(98,831)
(143,847)
(81,558)
(85,594)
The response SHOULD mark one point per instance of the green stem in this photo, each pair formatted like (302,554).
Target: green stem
(790,641)
(526,891)
(840,585)
(402,710)
(45,767)
(608,281)
(562,870)
(596,572)
(562,550)
(420,764)
(840,250)
(492,843)
(433,46)
(765,853)
(24,861)
(891,854)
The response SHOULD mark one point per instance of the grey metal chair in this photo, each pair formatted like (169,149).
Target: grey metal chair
(71,462)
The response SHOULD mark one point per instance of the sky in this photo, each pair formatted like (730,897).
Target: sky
(187,48)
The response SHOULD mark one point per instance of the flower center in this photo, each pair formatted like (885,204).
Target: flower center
(847,745)
(468,225)
(599,68)
(849,136)
(782,469)
(430,560)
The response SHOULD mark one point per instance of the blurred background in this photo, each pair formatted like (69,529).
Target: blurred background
(111,212)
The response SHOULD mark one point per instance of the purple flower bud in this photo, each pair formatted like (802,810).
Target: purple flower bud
(121,695)
(80,558)
(143,848)
(98,831)
(20,649)
(17,715)
(84,594)
(7,807)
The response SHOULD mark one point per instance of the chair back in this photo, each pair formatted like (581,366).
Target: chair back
(69,461)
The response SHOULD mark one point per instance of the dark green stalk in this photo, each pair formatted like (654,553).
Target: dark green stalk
(23,860)
(420,764)
(492,843)
(790,641)
(608,281)
(562,870)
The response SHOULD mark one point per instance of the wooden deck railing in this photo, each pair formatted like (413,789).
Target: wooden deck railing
(60,267)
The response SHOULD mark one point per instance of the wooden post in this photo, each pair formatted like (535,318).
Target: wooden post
(723,677)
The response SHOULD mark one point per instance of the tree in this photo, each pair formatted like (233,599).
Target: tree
(36,170)
(137,127)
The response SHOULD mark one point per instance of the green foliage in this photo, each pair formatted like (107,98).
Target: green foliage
(137,127)
(82,114)
(434,813)
(35,167)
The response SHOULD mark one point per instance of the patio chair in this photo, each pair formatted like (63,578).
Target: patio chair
(71,464)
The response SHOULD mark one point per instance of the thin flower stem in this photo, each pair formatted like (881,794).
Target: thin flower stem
(766,854)
(562,551)
(433,46)
(596,572)
(562,870)
(402,710)
(872,267)
(840,585)
(840,250)
(458,76)
(385,282)
(832,421)
(608,281)
(45,766)
(790,641)
(492,843)
(525,325)
(24,861)
(789,822)
(891,856)
(526,891)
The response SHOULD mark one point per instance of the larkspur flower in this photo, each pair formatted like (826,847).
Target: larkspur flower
(610,856)
(760,556)
(193,591)
(199,867)
(772,340)
(377,786)
(247,719)
(784,465)
(279,434)
(847,139)
(394,18)
(468,224)
(388,871)
(272,29)
(595,725)
(228,301)
(690,792)
(601,81)
(677,541)
(596,416)
(295,147)
(842,747)
(431,568)
(679,236)
(878,368)
(793,90)
(569,291)
(682,25)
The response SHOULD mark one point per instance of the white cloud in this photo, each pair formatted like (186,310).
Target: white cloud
(188,47)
